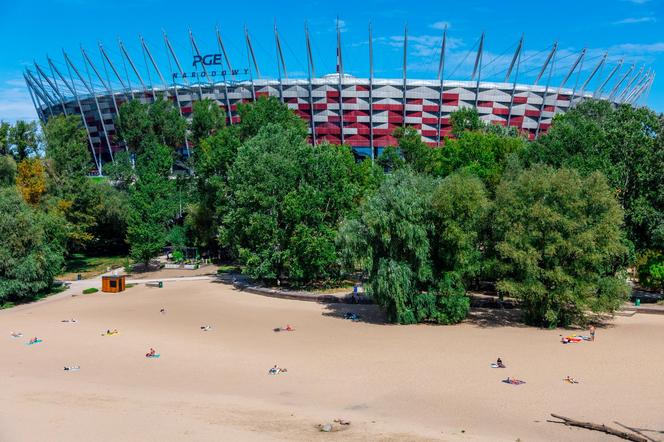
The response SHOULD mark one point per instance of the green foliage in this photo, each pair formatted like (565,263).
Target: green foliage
(31,248)
(23,140)
(465,119)
(31,180)
(90,290)
(141,125)
(5,129)
(66,148)
(177,238)
(7,171)
(151,206)
(207,118)
(415,152)
(651,271)
(558,241)
(416,239)
(484,154)
(390,159)
(268,110)
(285,200)
(627,145)
(120,171)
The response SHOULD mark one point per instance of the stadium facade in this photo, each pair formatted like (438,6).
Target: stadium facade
(338,108)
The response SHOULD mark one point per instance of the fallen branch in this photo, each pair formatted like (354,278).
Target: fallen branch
(603,428)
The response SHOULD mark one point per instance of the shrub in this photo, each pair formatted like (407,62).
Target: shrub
(90,290)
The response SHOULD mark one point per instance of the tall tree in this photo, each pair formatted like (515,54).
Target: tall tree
(5,130)
(207,118)
(7,171)
(559,245)
(31,248)
(627,145)
(286,198)
(23,139)
(151,203)
(268,110)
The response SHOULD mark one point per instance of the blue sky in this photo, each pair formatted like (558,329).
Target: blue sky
(629,29)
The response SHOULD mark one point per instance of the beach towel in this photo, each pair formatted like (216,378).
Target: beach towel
(75,368)
(16,335)
(514,381)
(570,380)
(275,371)
(31,343)
(110,334)
(494,365)
(153,356)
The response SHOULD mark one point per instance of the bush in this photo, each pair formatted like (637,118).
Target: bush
(90,290)
(651,273)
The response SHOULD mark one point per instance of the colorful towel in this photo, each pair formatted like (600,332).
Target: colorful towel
(35,342)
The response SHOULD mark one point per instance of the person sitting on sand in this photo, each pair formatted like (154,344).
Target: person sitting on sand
(151,353)
(276,370)
(500,364)
(289,328)
(34,340)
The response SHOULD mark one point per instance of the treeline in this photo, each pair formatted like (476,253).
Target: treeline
(553,223)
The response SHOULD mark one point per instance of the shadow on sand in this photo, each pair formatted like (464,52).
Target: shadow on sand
(367,313)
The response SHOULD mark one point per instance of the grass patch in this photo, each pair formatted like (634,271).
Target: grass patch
(90,266)
(229,268)
(90,290)
(128,286)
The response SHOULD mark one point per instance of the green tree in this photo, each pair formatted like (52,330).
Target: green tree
(31,248)
(67,148)
(286,198)
(167,124)
(213,158)
(415,152)
(627,145)
(268,110)
(558,244)
(5,129)
(7,171)
(207,118)
(465,119)
(151,203)
(134,125)
(484,154)
(417,240)
(23,140)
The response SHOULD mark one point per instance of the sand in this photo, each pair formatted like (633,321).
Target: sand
(392,382)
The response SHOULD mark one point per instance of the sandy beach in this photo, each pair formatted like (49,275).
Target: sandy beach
(392,382)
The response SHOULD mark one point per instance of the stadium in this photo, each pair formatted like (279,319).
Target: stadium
(338,108)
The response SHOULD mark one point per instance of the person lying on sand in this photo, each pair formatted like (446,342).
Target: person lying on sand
(17,334)
(111,332)
(74,368)
(69,320)
(162,311)
(34,340)
(352,316)
(151,353)
(571,339)
(571,380)
(276,370)
(206,327)
(287,328)
(513,381)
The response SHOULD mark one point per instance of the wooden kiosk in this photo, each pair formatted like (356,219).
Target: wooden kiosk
(113,284)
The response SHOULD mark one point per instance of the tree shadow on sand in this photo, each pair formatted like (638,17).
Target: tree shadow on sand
(494,317)
(367,313)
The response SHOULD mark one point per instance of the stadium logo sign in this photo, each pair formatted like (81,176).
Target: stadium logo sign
(221,73)
(207,60)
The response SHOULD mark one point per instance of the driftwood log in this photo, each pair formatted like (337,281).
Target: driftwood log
(603,428)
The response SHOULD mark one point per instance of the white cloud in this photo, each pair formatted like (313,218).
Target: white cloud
(633,20)
(15,103)
(638,48)
(440,25)
(638,2)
